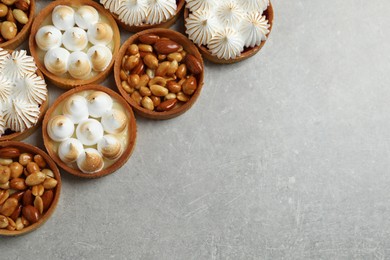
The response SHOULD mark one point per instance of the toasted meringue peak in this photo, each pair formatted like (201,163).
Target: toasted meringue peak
(226,44)
(114,121)
(69,150)
(56,61)
(79,65)
(100,33)
(18,64)
(90,161)
(112,5)
(76,108)
(20,115)
(3,55)
(201,26)
(110,147)
(85,16)
(160,11)
(133,12)
(230,13)
(60,128)
(89,131)
(99,103)
(63,17)
(75,39)
(48,37)
(201,5)
(100,57)
(264,4)
(254,29)
(6,87)
(31,88)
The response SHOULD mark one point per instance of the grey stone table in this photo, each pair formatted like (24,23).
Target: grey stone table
(284,156)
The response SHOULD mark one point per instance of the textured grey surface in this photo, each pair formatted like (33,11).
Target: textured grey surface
(284,156)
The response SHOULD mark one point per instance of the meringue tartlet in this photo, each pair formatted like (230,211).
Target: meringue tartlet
(89,131)
(139,15)
(74,43)
(23,95)
(228,31)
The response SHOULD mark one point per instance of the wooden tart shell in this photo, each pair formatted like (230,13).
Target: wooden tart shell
(188,46)
(23,147)
(68,83)
(131,131)
(18,136)
(22,34)
(248,52)
(168,23)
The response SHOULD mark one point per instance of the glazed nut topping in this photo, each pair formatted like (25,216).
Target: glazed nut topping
(158,74)
(26,188)
(13,16)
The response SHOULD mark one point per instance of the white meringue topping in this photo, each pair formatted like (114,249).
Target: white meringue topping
(254,28)
(100,33)
(110,147)
(160,11)
(56,61)
(48,37)
(226,44)
(114,121)
(85,16)
(201,5)
(18,64)
(31,88)
(79,65)
(75,107)
(230,13)
(75,39)
(201,26)
(90,161)
(20,115)
(99,103)
(132,12)
(6,87)
(60,128)
(100,57)
(89,131)
(69,150)
(63,17)
(112,5)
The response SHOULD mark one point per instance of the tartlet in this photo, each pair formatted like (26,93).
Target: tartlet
(27,148)
(74,44)
(23,33)
(165,24)
(188,47)
(79,125)
(11,91)
(247,52)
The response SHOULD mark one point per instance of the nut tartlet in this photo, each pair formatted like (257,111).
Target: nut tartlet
(74,42)
(262,19)
(16,31)
(23,95)
(160,73)
(31,194)
(90,131)
(135,22)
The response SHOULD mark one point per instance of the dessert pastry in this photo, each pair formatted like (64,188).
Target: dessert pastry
(89,132)
(159,72)
(143,14)
(228,31)
(23,93)
(74,43)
